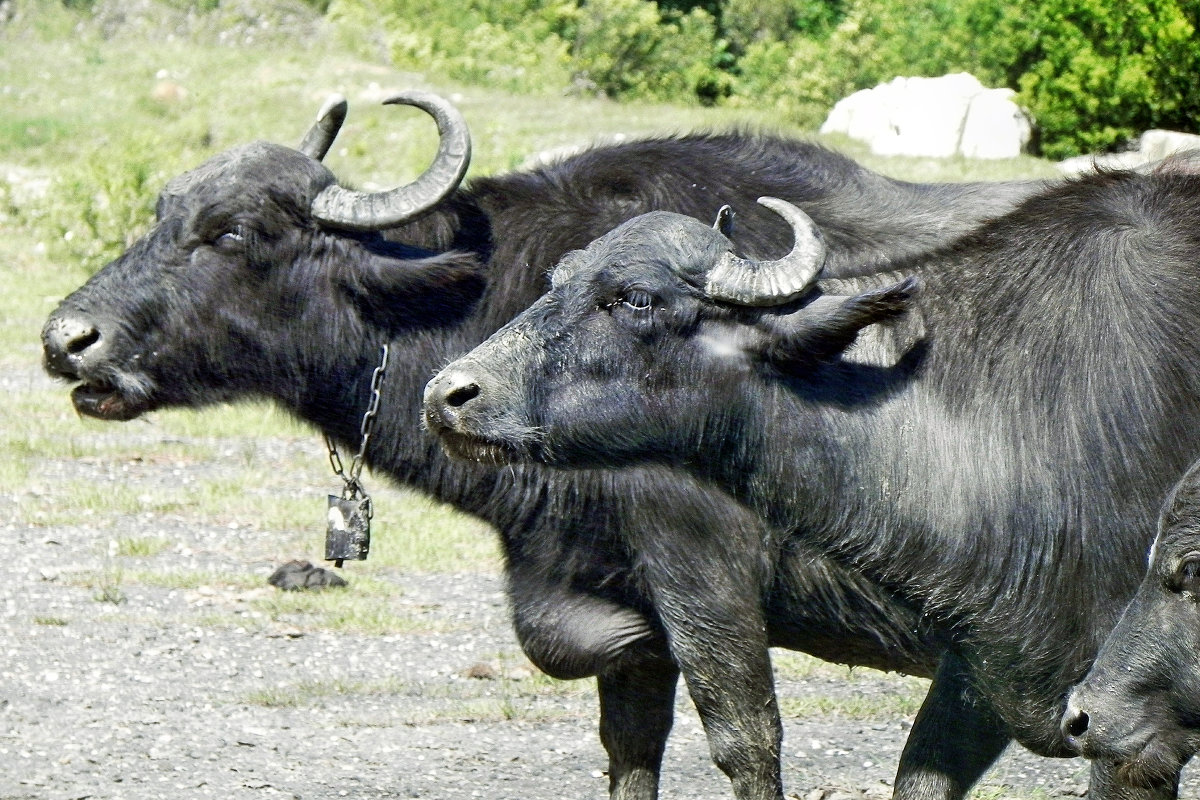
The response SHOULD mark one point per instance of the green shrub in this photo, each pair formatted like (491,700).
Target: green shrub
(1093,73)
(617,48)
(1099,72)
(632,49)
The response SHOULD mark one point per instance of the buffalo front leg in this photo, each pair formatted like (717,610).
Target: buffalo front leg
(955,738)
(706,575)
(637,707)
(737,706)
(1105,784)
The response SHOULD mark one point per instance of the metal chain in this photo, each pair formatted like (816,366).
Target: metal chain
(353,486)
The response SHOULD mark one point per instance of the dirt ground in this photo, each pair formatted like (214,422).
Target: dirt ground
(197,692)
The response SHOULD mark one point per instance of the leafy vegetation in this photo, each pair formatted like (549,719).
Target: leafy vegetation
(1092,73)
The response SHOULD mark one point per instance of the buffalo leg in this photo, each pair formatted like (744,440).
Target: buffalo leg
(637,707)
(741,721)
(1105,785)
(953,741)
(707,585)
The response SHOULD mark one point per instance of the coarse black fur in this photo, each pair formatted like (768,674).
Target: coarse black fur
(237,292)
(997,458)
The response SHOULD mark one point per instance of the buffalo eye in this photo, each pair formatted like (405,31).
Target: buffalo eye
(637,300)
(232,237)
(1186,577)
(634,308)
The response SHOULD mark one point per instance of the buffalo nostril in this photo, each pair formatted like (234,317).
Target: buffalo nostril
(1077,725)
(461,395)
(83,341)
(69,343)
(69,336)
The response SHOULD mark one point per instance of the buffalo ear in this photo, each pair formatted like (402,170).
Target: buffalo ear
(824,329)
(416,292)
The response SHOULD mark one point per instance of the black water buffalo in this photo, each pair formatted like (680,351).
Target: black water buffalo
(994,451)
(263,278)
(1140,703)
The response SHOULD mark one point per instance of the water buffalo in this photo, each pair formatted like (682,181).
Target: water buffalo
(1140,703)
(324,276)
(994,450)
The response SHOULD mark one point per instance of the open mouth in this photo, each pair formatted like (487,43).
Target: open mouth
(106,402)
(481,451)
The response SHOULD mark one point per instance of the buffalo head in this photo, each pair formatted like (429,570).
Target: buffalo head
(577,379)
(1140,703)
(248,249)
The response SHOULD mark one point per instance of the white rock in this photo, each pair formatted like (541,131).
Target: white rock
(933,117)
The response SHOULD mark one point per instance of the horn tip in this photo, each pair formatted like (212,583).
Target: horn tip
(334,104)
(410,97)
(774,203)
(724,220)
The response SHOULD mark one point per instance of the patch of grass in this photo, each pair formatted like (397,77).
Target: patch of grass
(19,132)
(191,580)
(232,421)
(954,169)
(468,701)
(412,532)
(852,706)
(878,694)
(793,665)
(107,585)
(985,791)
(141,546)
(367,607)
(308,693)
(50,621)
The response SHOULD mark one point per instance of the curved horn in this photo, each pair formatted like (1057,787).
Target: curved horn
(320,136)
(367,211)
(771,283)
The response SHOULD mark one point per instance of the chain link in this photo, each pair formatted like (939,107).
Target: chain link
(353,486)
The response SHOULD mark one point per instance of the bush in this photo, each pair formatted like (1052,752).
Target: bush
(629,48)
(617,48)
(1093,73)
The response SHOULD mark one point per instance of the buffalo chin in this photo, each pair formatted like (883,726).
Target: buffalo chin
(481,451)
(106,403)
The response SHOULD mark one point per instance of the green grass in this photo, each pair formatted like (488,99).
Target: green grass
(190,580)
(141,546)
(309,693)
(370,608)
(858,707)
(529,699)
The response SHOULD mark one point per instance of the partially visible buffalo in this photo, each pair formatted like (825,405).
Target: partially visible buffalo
(264,278)
(1140,703)
(993,447)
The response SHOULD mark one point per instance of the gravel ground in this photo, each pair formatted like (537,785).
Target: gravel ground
(199,692)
